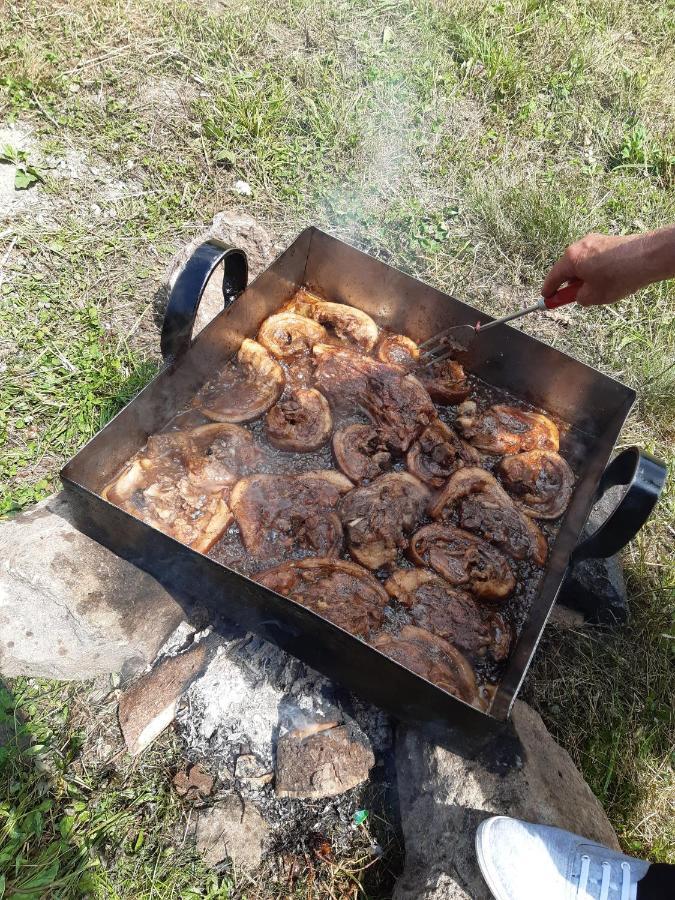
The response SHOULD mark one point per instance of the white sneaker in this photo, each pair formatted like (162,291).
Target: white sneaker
(520,861)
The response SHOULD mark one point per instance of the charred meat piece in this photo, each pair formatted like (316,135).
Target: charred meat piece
(377,517)
(360,452)
(484,507)
(301,421)
(438,452)
(288,334)
(450,614)
(348,323)
(280,514)
(398,350)
(394,401)
(446,382)
(506,429)
(464,560)
(340,591)
(432,658)
(243,391)
(540,481)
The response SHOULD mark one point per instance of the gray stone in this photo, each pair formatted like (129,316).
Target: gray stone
(71,609)
(231,829)
(444,797)
(312,764)
(149,705)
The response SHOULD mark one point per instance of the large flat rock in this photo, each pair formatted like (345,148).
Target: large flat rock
(444,797)
(71,609)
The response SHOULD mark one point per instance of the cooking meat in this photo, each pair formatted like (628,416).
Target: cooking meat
(395,401)
(445,381)
(217,454)
(432,658)
(348,323)
(438,452)
(464,560)
(484,507)
(507,429)
(301,421)
(279,514)
(340,591)
(540,481)
(398,350)
(180,483)
(245,391)
(377,517)
(164,495)
(288,334)
(360,452)
(449,613)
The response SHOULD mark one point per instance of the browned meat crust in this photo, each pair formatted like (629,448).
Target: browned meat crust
(446,382)
(464,560)
(378,517)
(243,391)
(438,452)
(485,508)
(346,322)
(395,401)
(432,658)
(281,514)
(181,482)
(340,591)
(360,452)
(398,350)
(507,429)
(300,422)
(450,614)
(287,334)
(540,481)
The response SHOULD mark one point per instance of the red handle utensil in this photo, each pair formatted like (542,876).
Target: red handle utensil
(563,295)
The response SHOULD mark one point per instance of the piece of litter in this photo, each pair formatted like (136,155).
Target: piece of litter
(360,816)
(242,187)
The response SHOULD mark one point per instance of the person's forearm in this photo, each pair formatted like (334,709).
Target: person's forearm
(659,254)
(612,267)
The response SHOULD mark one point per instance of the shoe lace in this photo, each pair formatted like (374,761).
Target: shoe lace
(582,887)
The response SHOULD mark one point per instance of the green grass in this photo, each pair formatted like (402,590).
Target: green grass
(466,142)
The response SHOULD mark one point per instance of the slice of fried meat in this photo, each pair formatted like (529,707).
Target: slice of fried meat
(484,507)
(343,592)
(446,382)
(281,514)
(299,422)
(243,391)
(507,429)
(360,452)
(377,517)
(432,658)
(464,560)
(540,481)
(449,613)
(398,350)
(346,322)
(437,453)
(396,402)
(288,334)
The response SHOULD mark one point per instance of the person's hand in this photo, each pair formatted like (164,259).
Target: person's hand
(613,267)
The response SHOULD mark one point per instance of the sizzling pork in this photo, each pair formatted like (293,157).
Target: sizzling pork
(321,376)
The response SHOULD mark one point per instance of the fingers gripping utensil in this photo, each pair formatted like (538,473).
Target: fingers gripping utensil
(458,338)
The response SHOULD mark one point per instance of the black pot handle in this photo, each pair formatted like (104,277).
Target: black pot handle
(644,476)
(186,294)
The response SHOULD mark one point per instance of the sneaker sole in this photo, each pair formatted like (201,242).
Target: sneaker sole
(482,836)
